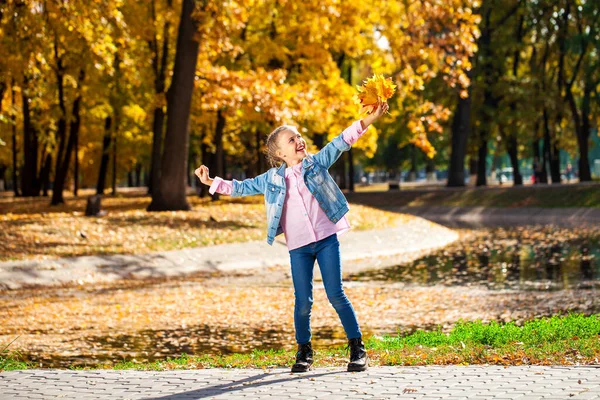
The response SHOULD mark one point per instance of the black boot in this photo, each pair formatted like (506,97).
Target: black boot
(359,360)
(304,358)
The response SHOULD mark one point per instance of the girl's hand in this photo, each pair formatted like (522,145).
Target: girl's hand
(382,108)
(375,115)
(202,173)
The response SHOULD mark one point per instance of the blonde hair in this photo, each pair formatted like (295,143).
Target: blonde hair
(272,146)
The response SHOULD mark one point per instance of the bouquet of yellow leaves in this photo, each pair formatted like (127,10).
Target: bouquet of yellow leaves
(374,90)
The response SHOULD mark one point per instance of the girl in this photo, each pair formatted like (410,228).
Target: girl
(303,201)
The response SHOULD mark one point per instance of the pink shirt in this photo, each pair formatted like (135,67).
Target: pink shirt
(302,219)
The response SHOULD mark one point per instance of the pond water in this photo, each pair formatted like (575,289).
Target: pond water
(522,258)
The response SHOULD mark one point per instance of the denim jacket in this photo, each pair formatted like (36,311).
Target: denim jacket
(316,177)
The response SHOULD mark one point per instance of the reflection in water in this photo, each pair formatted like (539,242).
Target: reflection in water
(534,257)
(587,273)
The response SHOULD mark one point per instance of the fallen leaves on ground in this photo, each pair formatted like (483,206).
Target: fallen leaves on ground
(149,321)
(33,230)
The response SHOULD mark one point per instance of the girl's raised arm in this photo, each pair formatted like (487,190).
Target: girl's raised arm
(334,149)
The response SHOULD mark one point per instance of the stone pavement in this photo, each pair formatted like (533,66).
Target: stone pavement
(427,382)
(385,247)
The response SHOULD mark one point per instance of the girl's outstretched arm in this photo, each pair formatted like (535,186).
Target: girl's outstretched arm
(217,184)
(235,188)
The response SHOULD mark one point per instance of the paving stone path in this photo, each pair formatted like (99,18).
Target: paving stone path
(429,382)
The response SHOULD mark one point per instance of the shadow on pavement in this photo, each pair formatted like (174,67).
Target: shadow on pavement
(242,384)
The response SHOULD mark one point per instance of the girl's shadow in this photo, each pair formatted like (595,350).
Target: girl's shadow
(239,385)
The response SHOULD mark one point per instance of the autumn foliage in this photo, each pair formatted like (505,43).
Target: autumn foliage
(261,63)
(373,91)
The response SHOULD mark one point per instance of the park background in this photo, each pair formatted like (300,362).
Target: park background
(124,99)
(129,93)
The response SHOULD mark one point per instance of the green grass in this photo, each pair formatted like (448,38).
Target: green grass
(532,333)
(569,339)
(563,340)
(11,360)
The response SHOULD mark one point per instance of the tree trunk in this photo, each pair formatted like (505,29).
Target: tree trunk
(551,154)
(171,193)
(29,181)
(62,166)
(430,170)
(543,171)
(59,174)
(14,143)
(159,67)
(491,72)
(512,149)
(76,158)
(482,159)
(555,163)
(546,148)
(3,169)
(138,174)
(486,70)
(105,156)
(562,32)
(537,161)
(585,174)
(461,128)
(412,175)
(582,128)
(157,129)
(512,145)
(114,153)
(218,156)
(495,160)
(45,175)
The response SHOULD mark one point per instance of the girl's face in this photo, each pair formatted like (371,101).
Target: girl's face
(292,148)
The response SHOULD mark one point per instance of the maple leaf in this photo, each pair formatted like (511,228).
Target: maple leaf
(374,90)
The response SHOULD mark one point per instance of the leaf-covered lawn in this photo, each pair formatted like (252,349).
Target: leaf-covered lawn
(31,229)
(571,340)
(147,321)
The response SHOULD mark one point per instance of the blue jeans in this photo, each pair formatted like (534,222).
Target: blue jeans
(327,252)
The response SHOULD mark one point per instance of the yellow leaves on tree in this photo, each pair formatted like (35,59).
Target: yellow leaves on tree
(374,90)
(425,118)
